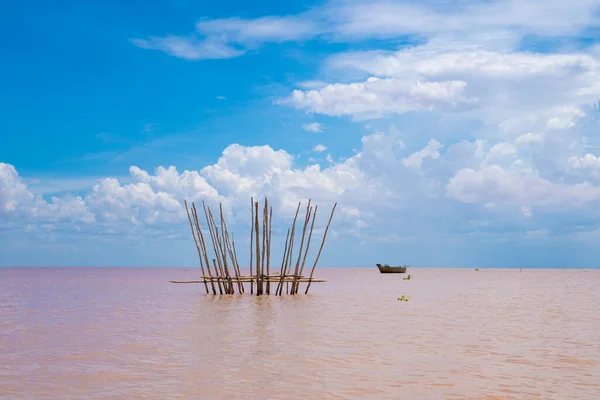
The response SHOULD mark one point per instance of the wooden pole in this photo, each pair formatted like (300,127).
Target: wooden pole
(215,240)
(236,260)
(282,272)
(320,249)
(221,255)
(222,277)
(308,244)
(225,262)
(203,243)
(269,250)
(297,269)
(257,233)
(251,241)
(290,249)
(264,241)
(227,243)
(273,279)
(196,243)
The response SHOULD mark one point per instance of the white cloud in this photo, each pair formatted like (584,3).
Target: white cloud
(230,37)
(13,192)
(313,127)
(529,138)
(376,97)
(507,88)
(415,160)
(134,202)
(312,84)
(189,48)
(589,161)
(320,148)
(491,21)
(155,199)
(584,168)
(440,58)
(384,184)
(385,19)
(493,184)
(502,149)
(19,203)
(255,31)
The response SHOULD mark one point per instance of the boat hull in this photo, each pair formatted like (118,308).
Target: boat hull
(391,270)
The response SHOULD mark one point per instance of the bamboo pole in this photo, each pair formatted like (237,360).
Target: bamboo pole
(217,262)
(290,249)
(214,234)
(195,242)
(320,249)
(236,261)
(225,262)
(282,271)
(306,219)
(222,278)
(251,240)
(308,244)
(203,243)
(257,233)
(248,278)
(194,218)
(214,243)
(264,241)
(227,244)
(223,255)
(269,249)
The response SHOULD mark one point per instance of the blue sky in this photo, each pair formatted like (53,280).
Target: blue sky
(459,134)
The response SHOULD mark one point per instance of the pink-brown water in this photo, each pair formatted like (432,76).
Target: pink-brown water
(107,333)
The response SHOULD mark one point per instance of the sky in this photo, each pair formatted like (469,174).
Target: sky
(450,133)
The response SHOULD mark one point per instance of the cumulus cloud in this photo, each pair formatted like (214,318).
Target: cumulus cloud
(495,185)
(18,203)
(588,161)
(156,198)
(415,160)
(503,87)
(529,138)
(384,185)
(13,192)
(377,97)
(440,58)
(320,148)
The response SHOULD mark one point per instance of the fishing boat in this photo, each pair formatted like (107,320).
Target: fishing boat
(386,269)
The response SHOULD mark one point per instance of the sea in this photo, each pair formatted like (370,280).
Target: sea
(127,333)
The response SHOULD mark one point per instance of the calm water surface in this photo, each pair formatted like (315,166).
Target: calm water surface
(107,333)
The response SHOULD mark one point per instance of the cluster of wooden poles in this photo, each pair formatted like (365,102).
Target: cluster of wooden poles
(223,274)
